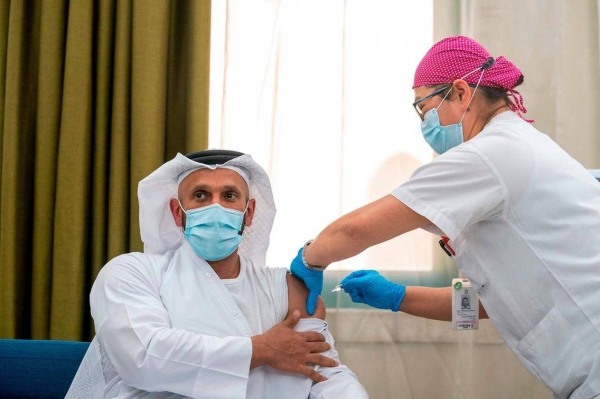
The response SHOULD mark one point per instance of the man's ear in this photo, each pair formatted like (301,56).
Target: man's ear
(176,212)
(250,212)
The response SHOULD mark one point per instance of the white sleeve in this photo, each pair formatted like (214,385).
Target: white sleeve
(457,189)
(341,382)
(133,328)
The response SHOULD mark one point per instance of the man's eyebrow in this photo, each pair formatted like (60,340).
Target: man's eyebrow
(206,187)
(231,187)
(199,186)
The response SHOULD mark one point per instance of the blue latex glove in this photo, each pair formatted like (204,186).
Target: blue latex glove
(370,287)
(313,279)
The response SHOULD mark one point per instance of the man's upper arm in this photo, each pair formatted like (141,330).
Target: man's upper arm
(297,296)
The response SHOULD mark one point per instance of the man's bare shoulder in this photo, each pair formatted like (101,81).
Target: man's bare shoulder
(297,296)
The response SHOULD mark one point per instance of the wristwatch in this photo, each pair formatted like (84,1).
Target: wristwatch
(308,265)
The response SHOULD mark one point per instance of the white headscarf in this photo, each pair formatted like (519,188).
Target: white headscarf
(158,229)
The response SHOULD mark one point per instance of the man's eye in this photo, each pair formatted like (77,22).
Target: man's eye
(199,195)
(230,196)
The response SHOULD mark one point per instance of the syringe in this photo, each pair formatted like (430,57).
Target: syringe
(337,288)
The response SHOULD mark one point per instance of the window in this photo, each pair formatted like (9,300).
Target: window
(320,94)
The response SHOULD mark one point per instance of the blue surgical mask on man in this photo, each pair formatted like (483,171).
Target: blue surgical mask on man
(213,231)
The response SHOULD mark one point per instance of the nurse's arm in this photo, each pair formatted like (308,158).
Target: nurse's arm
(356,231)
(370,225)
(431,303)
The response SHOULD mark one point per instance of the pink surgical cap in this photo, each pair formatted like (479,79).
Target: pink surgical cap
(454,57)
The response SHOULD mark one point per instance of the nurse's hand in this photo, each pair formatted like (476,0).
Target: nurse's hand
(290,351)
(313,279)
(370,287)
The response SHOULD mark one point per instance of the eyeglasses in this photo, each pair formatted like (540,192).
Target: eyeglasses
(486,65)
(417,107)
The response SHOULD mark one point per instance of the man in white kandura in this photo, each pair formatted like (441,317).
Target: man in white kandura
(198,314)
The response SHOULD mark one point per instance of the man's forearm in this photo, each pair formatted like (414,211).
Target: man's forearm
(260,352)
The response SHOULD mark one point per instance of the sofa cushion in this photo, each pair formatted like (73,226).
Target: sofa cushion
(38,368)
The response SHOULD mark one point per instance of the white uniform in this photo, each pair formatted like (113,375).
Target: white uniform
(169,327)
(524,220)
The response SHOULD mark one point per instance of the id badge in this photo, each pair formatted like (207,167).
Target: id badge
(465,305)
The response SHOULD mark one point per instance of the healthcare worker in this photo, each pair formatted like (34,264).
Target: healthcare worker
(520,217)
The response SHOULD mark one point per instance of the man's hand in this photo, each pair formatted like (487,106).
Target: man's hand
(313,279)
(290,351)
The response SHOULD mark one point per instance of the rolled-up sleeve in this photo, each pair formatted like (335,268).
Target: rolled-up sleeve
(341,381)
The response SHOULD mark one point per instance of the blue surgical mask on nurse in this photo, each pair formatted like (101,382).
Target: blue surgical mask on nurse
(441,138)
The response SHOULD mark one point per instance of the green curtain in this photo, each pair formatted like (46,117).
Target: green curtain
(94,95)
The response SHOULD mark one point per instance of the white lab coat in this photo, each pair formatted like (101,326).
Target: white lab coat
(168,327)
(524,220)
